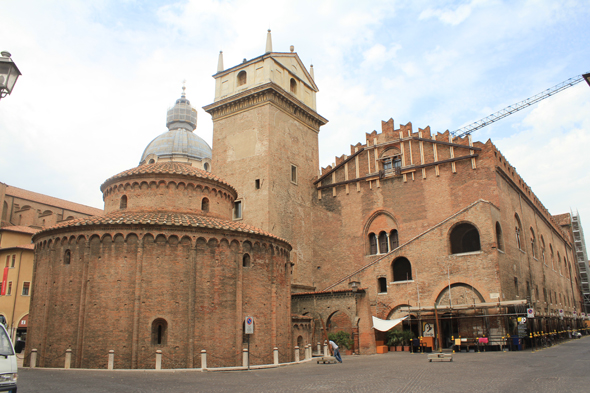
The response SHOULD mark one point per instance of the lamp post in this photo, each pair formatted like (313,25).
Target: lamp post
(9,73)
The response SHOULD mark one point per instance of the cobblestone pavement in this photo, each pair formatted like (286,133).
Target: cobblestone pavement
(561,368)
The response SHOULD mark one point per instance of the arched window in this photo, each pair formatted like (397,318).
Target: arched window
(206,166)
(543,249)
(383,243)
(518,231)
(67,257)
(464,238)
(5,212)
(151,161)
(551,256)
(159,331)
(205,205)
(372,244)
(242,78)
(499,240)
(246,260)
(393,239)
(293,86)
(382,283)
(402,269)
(559,262)
(391,159)
(123,202)
(533,243)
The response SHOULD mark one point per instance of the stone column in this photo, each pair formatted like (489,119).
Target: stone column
(159,359)
(68,358)
(111,363)
(203,360)
(245,358)
(33,358)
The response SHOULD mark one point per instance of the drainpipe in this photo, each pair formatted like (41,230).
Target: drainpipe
(12,328)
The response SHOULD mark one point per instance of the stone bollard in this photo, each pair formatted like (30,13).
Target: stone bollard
(326,350)
(308,351)
(245,358)
(159,359)
(111,363)
(203,360)
(33,358)
(296,354)
(275,355)
(319,348)
(68,358)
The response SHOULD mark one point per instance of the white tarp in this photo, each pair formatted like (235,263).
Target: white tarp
(384,325)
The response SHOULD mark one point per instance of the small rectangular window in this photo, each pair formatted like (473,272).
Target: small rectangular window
(294,174)
(13,260)
(7,260)
(26,288)
(237,210)
(257,184)
(516,286)
(9,289)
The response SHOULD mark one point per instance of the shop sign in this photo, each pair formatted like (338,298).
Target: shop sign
(427,329)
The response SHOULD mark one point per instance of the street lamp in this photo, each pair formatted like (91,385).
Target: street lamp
(587,78)
(9,73)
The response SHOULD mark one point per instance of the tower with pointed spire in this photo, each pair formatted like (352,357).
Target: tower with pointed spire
(265,139)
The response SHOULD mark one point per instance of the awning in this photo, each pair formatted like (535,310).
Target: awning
(384,325)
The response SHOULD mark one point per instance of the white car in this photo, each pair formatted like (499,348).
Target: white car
(8,368)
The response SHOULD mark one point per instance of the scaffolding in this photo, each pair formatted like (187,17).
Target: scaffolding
(582,259)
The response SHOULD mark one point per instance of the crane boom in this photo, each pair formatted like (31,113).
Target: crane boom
(494,117)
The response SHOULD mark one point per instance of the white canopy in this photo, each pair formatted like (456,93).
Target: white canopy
(384,325)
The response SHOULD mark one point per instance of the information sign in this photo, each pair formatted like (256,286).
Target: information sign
(249,325)
(530,313)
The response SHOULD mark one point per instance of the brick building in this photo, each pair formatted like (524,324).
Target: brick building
(23,214)
(408,223)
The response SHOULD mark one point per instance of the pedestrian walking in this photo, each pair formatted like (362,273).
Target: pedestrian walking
(335,351)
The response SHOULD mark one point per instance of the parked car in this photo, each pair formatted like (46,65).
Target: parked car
(8,367)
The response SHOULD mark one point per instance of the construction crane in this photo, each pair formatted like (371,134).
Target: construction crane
(494,117)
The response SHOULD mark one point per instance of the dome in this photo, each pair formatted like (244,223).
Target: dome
(179,143)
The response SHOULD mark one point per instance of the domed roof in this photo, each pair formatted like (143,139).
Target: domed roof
(179,142)
(166,168)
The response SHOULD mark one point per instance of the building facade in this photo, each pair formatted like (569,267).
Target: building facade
(411,223)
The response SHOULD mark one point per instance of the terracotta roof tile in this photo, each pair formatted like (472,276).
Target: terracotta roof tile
(51,201)
(166,168)
(21,229)
(30,246)
(162,218)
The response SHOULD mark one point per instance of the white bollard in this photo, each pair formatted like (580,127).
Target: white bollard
(203,360)
(275,355)
(319,348)
(325,350)
(296,354)
(245,358)
(111,363)
(34,358)
(307,351)
(68,358)
(159,359)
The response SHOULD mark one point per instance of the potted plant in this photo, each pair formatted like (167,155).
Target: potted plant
(407,336)
(343,340)
(394,340)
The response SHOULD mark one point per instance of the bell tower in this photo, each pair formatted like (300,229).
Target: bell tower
(265,144)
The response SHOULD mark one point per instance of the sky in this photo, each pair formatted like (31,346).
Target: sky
(99,75)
